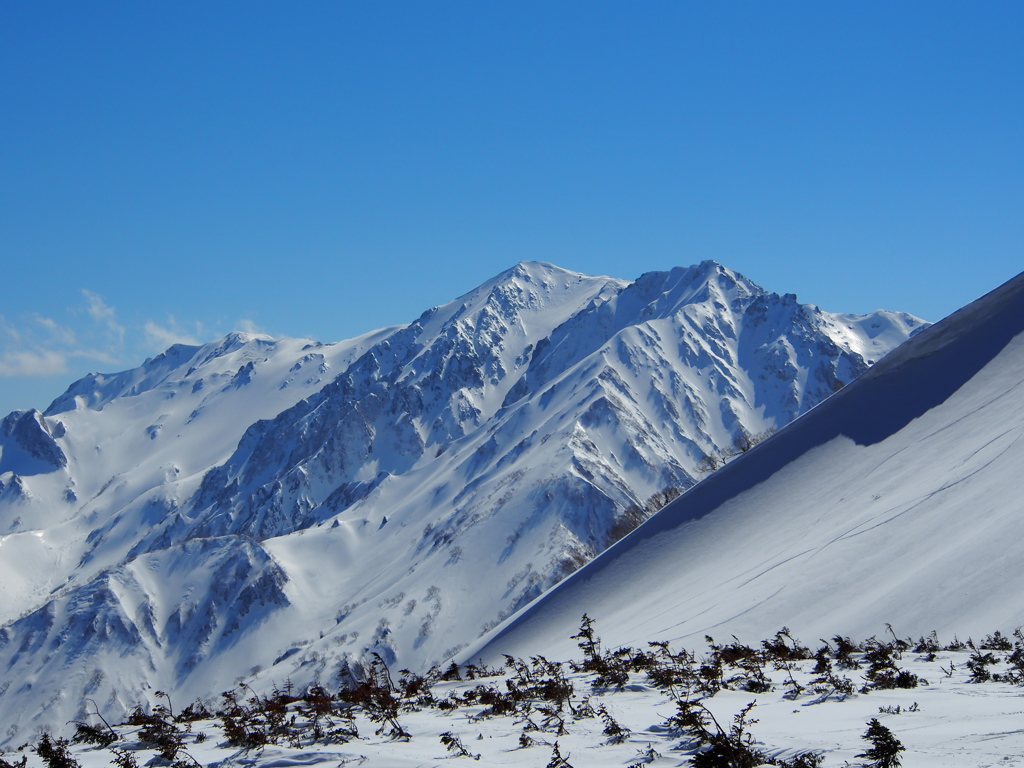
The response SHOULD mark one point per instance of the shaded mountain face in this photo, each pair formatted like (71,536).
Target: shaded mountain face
(275,508)
(895,502)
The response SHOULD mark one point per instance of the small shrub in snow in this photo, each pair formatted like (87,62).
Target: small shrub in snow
(55,752)
(615,732)
(455,746)
(979,664)
(882,671)
(91,734)
(997,641)
(885,748)
(928,646)
(557,761)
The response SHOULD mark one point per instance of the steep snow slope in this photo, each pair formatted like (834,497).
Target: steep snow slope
(897,500)
(276,508)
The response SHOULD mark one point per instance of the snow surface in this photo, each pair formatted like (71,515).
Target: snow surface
(272,508)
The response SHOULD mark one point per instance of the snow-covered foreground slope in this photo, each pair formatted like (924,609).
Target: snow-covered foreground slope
(898,500)
(527,713)
(272,509)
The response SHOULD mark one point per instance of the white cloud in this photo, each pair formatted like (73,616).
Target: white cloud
(12,333)
(102,314)
(245,325)
(41,346)
(161,337)
(60,333)
(38,345)
(25,362)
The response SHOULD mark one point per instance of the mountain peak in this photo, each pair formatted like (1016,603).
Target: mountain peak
(685,285)
(530,268)
(540,274)
(532,295)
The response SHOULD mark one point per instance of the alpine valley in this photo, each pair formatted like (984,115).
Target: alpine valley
(273,509)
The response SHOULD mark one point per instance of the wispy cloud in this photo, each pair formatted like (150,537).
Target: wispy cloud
(103,315)
(245,325)
(11,335)
(61,334)
(163,336)
(39,345)
(26,362)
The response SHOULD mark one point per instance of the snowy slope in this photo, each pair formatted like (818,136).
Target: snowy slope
(272,508)
(897,500)
(948,721)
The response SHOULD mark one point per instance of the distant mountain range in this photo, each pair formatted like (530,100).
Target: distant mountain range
(275,508)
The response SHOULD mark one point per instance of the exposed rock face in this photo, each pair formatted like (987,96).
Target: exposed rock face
(30,434)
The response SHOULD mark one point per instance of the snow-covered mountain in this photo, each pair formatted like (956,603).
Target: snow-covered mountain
(272,508)
(896,501)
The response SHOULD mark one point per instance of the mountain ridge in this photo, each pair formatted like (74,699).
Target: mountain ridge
(356,491)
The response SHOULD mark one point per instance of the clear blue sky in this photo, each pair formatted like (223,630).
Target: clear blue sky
(177,170)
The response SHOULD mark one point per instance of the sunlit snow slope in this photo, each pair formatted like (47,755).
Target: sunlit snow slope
(898,500)
(276,508)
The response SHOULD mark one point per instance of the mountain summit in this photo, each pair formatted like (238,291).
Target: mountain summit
(276,508)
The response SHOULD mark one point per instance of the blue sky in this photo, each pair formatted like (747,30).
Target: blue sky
(173,171)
